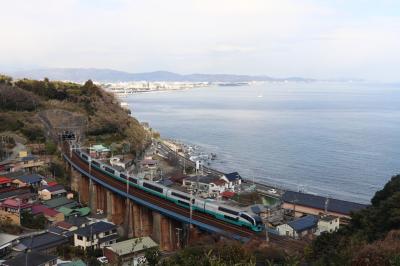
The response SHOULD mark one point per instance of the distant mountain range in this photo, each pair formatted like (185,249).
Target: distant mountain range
(109,75)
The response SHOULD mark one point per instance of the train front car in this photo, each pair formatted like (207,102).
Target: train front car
(259,225)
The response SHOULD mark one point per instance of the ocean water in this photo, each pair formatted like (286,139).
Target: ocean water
(339,140)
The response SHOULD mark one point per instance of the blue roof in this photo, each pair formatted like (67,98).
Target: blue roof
(95,228)
(318,202)
(31,178)
(303,223)
(233,176)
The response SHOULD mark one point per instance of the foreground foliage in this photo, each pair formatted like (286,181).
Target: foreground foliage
(372,237)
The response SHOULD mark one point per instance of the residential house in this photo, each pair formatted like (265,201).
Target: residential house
(61,201)
(299,227)
(74,212)
(149,164)
(96,235)
(78,221)
(33,180)
(327,223)
(126,252)
(303,203)
(121,162)
(14,192)
(208,185)
(234,179)
(51,215)
(46,243)
(5,183)
(6,243)
(32,259)
(11,210)
(49,192)
(28,197)
(29,163)
(99,151)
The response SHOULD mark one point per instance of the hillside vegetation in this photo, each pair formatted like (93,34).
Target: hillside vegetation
(107,122)
(372,238)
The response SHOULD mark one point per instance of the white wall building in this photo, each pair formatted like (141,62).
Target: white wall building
(97,235)
(327,223)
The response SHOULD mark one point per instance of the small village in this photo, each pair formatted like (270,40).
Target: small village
(44,216)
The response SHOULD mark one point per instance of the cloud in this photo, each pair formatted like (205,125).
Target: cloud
(282,38)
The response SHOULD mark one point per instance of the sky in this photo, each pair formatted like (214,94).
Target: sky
(314,39)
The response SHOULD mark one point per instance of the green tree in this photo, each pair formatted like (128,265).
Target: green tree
(153,256)
(51,147)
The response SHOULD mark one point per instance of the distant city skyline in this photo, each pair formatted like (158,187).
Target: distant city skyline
(305,38)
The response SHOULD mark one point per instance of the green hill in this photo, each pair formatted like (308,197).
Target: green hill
(21,101)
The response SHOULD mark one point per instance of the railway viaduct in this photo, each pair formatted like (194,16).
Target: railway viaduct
(135,219)
(142,214)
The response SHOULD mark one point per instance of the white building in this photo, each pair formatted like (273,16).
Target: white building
(299,228)
(206,184)
(96,235)
(327,223)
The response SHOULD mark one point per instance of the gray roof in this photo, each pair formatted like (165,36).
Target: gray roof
(30,178)
(55,188)
(14,192)
(108,238)
(166,182)
(318,202)
(303,223)
(7,238)
(77,220)
(95,228)
(30,259)
(132,245)
(41,241)
(60,201)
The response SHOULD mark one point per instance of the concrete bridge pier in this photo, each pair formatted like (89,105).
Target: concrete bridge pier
(165,232)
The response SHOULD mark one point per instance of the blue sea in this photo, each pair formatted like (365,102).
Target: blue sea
(339,140)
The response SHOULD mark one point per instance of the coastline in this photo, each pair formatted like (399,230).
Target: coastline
(260,186)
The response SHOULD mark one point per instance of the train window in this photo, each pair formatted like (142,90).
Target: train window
(184,203)
(133,180)
(152,187)
(84,157)
(78,152)
(109,170)
(228,211)
(122,176)
(180,196)
(231,218)
(96,163)
(248,218)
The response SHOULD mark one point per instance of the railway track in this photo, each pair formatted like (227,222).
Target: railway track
(230,229)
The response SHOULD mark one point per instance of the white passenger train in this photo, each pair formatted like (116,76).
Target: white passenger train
(218,210)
